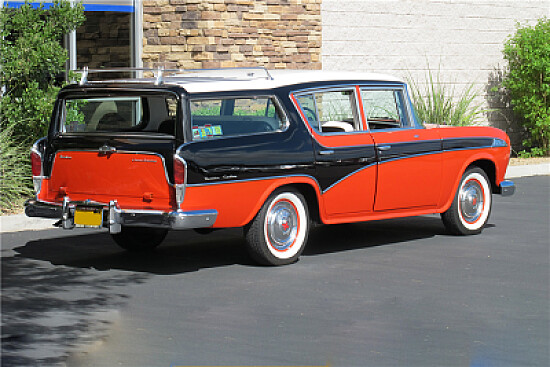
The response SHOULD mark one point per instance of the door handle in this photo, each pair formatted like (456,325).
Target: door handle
(326,152)
(383,147)
(107,149)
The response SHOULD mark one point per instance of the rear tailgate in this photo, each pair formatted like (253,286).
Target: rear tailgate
(135,180)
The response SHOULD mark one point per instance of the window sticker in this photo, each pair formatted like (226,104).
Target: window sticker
(217,130)
(206,131)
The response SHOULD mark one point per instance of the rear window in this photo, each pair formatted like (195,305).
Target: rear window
(214,118)
(152,114)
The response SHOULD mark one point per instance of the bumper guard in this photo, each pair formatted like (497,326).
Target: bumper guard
(507,188)
(114,217)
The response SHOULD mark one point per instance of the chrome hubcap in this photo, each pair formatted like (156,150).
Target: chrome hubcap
(282,225)
(471,201)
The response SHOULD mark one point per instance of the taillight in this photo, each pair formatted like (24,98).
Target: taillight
(36,161)
(179,171)
(180,168)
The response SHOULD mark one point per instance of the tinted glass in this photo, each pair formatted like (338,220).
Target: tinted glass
(331,111)
(384,109)
(213,118)
(120,114)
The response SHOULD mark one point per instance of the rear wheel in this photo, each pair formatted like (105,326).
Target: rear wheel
(278,233)
(471,206)
(139,239)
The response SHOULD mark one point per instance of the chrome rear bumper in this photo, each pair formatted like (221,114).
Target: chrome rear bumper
(114,217)
(507,188)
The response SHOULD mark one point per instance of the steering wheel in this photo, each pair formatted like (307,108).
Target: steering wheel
(310,114)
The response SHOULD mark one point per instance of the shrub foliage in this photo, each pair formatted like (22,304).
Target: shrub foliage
(31,58)
(528,82)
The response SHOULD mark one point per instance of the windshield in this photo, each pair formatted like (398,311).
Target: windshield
(152,114)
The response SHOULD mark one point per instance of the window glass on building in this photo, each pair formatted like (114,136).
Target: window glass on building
(108,37)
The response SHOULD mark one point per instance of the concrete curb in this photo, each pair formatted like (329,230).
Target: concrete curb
(528,170)
(20,222)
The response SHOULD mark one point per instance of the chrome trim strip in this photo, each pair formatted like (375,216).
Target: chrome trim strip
(253,179)
(349,175)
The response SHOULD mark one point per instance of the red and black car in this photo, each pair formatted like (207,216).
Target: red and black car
(267,151)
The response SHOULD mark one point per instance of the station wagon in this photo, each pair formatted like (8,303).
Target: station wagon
(269,151)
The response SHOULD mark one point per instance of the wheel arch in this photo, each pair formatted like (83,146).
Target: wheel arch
(483,162)
(489,167)
(307,189)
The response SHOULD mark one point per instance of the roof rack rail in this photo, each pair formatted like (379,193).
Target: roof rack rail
(160,73)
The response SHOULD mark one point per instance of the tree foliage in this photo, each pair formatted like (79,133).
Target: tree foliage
(528,82)
(32,56)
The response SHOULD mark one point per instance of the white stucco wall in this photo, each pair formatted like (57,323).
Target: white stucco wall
(462,38)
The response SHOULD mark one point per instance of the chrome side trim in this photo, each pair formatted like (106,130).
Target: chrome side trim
(507,188)
(348,176)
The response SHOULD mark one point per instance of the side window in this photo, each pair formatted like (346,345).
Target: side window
(384,109)
(211,118)
(331,111)
(307,103)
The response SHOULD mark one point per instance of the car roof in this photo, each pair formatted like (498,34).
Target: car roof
(274,79)
(242,79)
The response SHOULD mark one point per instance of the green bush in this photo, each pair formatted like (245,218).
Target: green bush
(31,58)
(528,83)
(438,103)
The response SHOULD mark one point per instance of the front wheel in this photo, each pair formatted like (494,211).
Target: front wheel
(139,239)
(278,233)
(471,206)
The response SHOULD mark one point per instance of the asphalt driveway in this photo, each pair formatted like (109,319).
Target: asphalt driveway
(389,293)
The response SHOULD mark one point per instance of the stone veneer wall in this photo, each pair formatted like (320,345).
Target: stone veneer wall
(104,40)
(461,38)
(230,33)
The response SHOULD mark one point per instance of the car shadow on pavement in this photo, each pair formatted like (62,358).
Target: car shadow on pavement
(345,237)
(188,251)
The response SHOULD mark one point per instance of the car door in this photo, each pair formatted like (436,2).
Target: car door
(409,166)
(345,158)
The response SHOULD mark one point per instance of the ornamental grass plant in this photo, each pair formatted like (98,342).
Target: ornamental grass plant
(15,173)
(440,103)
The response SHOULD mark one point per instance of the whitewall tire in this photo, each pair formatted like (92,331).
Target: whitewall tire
(278,233)
(471,206)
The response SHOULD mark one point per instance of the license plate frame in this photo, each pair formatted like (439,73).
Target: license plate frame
(88,216)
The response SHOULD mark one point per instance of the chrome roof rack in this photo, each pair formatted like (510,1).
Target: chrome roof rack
(160,74)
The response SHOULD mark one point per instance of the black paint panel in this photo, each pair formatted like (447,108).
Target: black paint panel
(249,157)
(466,143)
(343,161)
(404,150)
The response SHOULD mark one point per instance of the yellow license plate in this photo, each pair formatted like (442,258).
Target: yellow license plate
(88,217)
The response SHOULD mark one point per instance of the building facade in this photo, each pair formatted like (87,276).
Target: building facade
(462,40)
